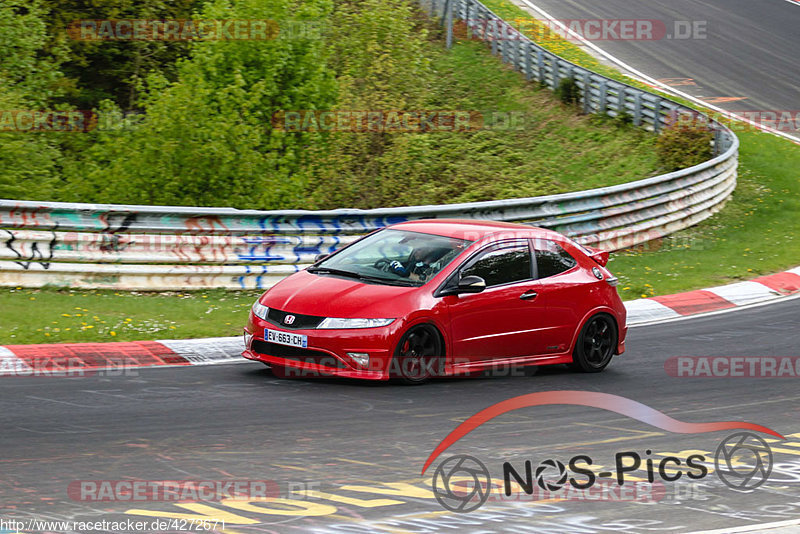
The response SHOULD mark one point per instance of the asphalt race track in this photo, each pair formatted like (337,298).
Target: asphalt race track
(358,448)
(747,61)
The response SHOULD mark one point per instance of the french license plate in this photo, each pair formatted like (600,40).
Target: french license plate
(286,338)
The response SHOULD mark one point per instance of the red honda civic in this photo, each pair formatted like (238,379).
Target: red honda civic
(441,297)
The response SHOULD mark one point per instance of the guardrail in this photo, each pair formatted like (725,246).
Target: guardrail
(163,247)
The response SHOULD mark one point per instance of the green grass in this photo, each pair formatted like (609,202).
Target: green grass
(757,233)
(64,316)
(559,149)
(551,148)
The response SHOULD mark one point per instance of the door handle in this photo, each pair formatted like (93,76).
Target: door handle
(529,295)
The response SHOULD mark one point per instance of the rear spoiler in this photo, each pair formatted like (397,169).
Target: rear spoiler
(600,256)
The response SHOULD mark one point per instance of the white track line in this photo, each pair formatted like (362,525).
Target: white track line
(652,81)
(11,364)
(210,351)
(753,528)
(647,310)
(743,293)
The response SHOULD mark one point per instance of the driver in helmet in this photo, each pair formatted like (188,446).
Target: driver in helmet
(418,264)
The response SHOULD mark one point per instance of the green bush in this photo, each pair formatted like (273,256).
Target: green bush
(569,92)
(684,143)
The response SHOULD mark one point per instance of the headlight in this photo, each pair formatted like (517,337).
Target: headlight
(336,322)
(259,310)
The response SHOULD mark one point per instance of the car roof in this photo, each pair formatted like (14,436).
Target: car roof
(473,229)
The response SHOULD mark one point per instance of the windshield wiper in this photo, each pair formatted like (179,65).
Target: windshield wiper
(366,278)
(339,272)
(391,281)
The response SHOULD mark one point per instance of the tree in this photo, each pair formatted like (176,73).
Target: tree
(28,81)
(206,138)
(378,55)
(111,69)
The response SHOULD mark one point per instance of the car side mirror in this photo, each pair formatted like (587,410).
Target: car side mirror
(319,257)
(468,284)
(471,284)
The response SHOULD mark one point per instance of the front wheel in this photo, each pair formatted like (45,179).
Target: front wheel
(596,344)
(418,355)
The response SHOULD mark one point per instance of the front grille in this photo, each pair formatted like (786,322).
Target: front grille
(277,318)
(297,354)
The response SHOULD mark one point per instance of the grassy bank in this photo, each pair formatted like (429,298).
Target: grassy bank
(62,316)
(758,231)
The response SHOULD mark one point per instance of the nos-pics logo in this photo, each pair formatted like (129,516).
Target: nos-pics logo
(461,483)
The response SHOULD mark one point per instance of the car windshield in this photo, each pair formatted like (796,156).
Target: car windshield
(396,257)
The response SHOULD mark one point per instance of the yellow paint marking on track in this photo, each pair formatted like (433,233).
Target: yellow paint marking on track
(639,433)
(291,467)
(684,453)
(676,82)
(362,503)
(358,462)
(795,452)
(723,99)
(290,507)
(394,489)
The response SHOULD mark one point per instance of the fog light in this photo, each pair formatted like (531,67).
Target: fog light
(361,358)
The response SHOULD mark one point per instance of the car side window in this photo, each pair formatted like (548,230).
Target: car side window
(501,265)
(551,259)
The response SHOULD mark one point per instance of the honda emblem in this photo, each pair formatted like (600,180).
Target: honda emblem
(289,319)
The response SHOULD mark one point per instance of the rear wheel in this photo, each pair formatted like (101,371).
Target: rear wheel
(418,355)
(596,344)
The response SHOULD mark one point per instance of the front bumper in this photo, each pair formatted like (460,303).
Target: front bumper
(326,353)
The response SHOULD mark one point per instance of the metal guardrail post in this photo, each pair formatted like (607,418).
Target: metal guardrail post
(528,62)
(541,67)
(448,21)
(602,106)
(493,36)
(587,92)
(657,111)
(637,108)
